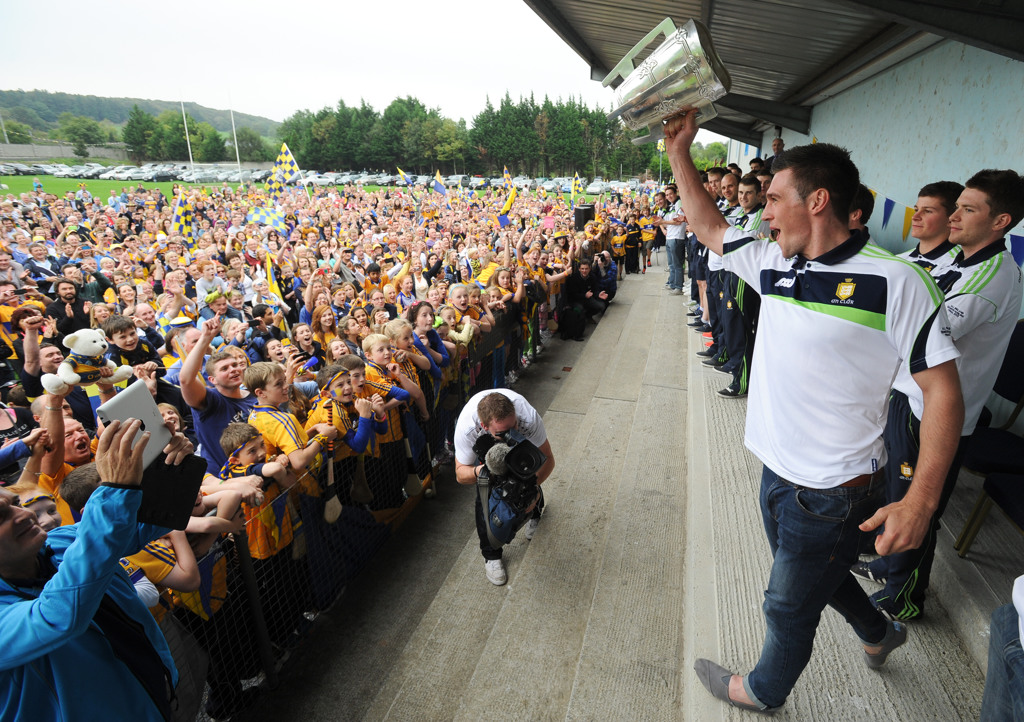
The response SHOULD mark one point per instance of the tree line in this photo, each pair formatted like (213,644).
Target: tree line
(550,138)
(162,137)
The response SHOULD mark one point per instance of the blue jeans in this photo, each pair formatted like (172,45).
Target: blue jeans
(1004,683)
(814,540)
(675,248)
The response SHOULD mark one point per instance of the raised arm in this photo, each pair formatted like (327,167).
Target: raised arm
(193,390)
(702,214)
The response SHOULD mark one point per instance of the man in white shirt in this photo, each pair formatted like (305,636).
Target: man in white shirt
(838,317)
(498,413)
(674,224)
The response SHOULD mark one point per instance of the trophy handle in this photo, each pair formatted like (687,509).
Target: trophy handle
(666,27)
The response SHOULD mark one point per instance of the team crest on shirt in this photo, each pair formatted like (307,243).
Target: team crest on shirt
(845,289)
(906,471)
(728,305)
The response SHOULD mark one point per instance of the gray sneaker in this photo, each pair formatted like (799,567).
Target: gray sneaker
(530,529)
(495,569)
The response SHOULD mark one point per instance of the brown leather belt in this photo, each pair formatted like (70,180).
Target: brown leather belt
(862,480)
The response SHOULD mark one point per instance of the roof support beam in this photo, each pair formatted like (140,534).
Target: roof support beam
(731,129)
(794,117)
(993,25)
(564,29)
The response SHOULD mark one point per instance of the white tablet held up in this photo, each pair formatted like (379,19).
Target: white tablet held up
(136,402)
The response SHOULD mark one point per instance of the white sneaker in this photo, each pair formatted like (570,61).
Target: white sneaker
(676,292)
(495,569)
(530,529)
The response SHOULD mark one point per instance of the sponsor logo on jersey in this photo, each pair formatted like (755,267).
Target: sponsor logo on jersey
(785,283)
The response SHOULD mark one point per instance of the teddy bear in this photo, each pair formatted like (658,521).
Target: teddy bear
(82,366)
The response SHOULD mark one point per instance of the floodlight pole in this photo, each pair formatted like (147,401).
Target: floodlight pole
(238,158)
(188,142)
(4,127)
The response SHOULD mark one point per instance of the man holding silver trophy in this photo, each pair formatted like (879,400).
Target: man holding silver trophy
(838,317)
(817,402)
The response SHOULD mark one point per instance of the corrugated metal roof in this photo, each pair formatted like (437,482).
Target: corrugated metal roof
(779,53)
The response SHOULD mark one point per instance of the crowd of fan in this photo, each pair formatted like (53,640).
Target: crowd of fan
(352,332)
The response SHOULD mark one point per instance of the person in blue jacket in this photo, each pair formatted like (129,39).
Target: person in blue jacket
(76,643)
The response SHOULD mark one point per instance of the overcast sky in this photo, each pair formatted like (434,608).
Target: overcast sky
(257,58)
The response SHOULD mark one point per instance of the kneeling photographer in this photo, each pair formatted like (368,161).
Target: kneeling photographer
(501,446)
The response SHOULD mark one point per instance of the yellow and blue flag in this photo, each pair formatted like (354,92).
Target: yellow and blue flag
(404,177)
(285,169)
(268,216)
(503,216)
(577,188)
(506,181)
(438,186)
(182,220)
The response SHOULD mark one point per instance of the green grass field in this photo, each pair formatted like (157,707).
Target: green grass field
(59,186)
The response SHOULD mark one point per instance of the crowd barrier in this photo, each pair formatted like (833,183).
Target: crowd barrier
(263,589)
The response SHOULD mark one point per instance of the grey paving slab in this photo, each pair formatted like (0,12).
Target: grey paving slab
(628,664)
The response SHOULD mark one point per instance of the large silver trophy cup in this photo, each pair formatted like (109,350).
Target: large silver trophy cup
(684,71)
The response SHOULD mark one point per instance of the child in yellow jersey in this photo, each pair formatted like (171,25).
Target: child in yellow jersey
(282,432)
(410,359)
(619,233)
(358,422)
(384,377)
(647,234)
(268,525)
(374,280)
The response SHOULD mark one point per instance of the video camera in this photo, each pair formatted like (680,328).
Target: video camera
(510,468)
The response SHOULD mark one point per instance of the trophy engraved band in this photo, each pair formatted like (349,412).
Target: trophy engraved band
(684,71)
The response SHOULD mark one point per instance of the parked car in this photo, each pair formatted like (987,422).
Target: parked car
(108,174)
(597,187)
(260,176)
(478,182)
(498,182)
(7,169)
(520,182)
(92,171)
(552,186)
(162,175)
(454,181)
(21,169)
(136,174)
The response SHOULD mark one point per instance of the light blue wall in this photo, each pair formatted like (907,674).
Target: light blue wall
(941,115)
(741,153)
